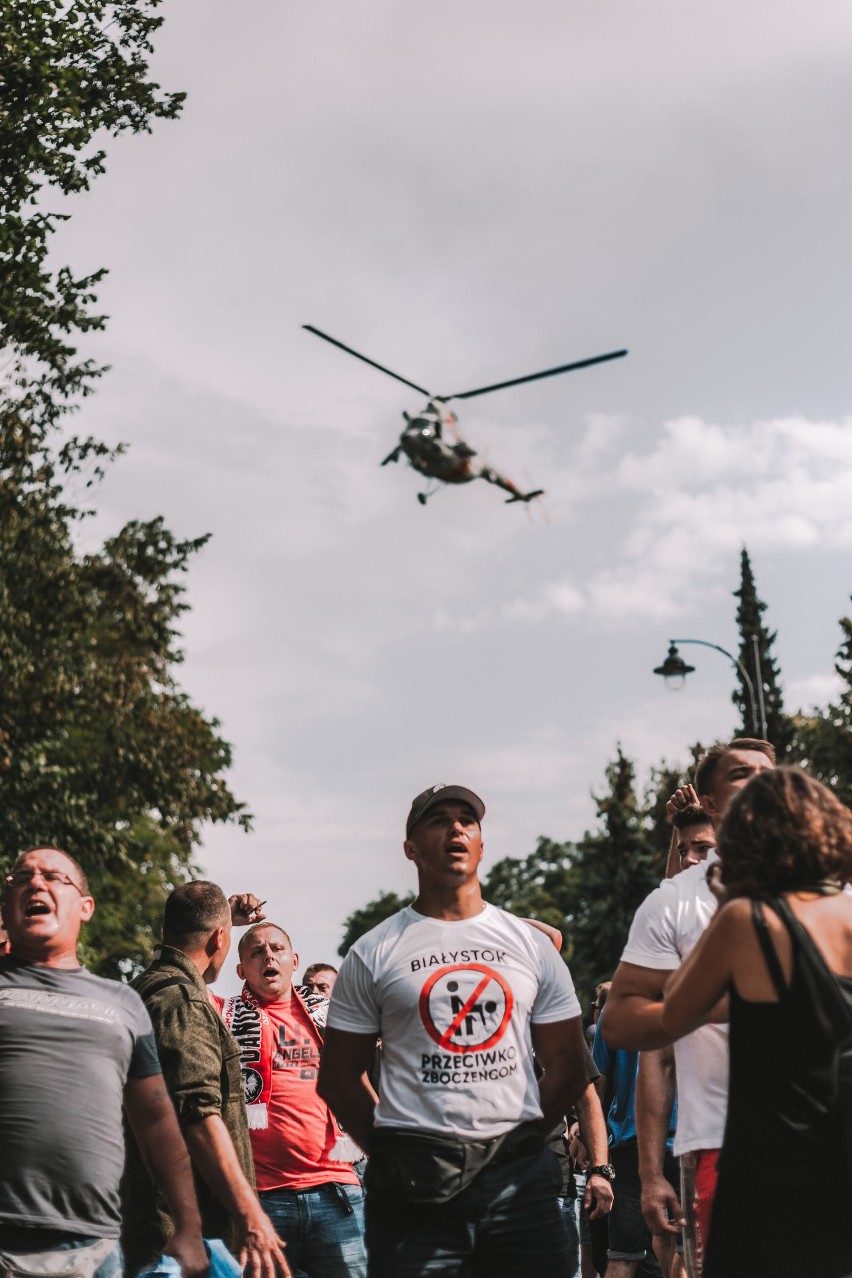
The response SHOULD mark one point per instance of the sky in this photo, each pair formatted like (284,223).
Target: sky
(468,192)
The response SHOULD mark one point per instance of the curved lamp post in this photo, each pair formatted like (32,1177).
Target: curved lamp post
(674,670)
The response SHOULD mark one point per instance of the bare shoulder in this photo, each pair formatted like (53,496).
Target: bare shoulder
(734,931)
(736,913)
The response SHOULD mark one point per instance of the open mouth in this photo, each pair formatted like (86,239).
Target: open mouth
(270,971)
(35,908)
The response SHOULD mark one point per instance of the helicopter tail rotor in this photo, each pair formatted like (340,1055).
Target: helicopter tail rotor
(526,497)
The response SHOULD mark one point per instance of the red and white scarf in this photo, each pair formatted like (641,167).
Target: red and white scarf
(248,1021)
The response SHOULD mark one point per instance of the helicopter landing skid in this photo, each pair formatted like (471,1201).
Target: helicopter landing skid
(430,492)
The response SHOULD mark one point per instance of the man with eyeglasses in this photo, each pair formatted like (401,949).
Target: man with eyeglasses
(74,1049)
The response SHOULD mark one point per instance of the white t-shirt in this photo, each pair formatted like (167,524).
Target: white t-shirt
(453,1002)
(665,928)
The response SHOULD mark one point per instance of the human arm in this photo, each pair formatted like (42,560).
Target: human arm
(343,1082)
(212,1151)
(246,908)
(673,865)
(655,1088)
(694,991)
(634,1009)
(560,1051)
(593,1136)
(152,1117)
(552,933)
(653,951)
(684,796)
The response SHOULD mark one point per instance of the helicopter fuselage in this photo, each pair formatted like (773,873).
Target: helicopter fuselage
(424,442)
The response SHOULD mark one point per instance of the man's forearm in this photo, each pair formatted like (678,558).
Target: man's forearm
(561,1054)
(592,1126)
(634,1022)
(655,1084)
(673,864)
(166,1157)
(353,1103)
(212,1152)
(560,1087)
(152,1117)
(261,1252)
(655,1087)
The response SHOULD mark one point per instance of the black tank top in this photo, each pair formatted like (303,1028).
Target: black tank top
(781,1110)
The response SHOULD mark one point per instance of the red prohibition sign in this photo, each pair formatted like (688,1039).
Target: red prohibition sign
(444,1037)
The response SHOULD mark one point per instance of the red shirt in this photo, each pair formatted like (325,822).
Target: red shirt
(292,1152)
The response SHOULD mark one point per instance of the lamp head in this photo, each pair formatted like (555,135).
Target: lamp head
(674,669)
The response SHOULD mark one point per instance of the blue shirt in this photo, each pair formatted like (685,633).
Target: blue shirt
(621,1067)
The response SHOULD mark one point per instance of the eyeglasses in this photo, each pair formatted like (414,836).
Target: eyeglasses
(23,878)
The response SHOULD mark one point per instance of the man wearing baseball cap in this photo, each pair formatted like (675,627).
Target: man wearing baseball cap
(460,993)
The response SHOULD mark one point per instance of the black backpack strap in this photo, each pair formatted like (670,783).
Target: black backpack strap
(770,954)
(167,984)
(173,980)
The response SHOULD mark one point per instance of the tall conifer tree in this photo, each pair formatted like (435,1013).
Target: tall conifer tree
(824,738)
(750,610)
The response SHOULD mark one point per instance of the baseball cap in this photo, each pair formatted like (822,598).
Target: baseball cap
(441,793)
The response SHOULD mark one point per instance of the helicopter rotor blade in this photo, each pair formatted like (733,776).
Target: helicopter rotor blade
(534,377)
(349,351)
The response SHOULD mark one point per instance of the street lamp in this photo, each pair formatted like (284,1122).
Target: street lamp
(674,670)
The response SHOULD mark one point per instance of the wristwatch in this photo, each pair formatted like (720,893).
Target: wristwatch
(606,1170)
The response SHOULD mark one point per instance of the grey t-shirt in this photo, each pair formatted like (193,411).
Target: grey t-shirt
(68,1043)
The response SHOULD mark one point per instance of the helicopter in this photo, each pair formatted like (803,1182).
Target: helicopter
(431,440)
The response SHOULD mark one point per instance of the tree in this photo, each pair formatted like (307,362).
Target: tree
(71,73)
(750,610)
(823,742)
(614,868)
(538,887)
(369,916)
(101,753)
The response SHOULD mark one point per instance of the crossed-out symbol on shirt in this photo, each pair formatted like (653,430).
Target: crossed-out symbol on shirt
(466,1007)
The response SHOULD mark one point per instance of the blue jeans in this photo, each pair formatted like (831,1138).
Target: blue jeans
(570,1214)
(507,1223)
(322,1229)
(23,1241)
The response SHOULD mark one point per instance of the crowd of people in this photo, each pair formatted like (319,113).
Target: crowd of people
(434,1107)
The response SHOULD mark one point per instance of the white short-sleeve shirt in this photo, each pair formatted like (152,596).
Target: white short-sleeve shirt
(453,1002)
(666,926)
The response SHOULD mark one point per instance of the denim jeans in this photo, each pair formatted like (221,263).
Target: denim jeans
(28,1248)
(507,1223)
(322,1228)
(571,1215)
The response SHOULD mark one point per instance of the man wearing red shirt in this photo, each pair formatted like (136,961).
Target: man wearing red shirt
(302,1159)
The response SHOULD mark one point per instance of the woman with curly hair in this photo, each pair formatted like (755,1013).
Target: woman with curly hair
(784,1200)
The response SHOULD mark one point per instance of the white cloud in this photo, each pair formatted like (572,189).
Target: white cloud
(703,491)
(812,690)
